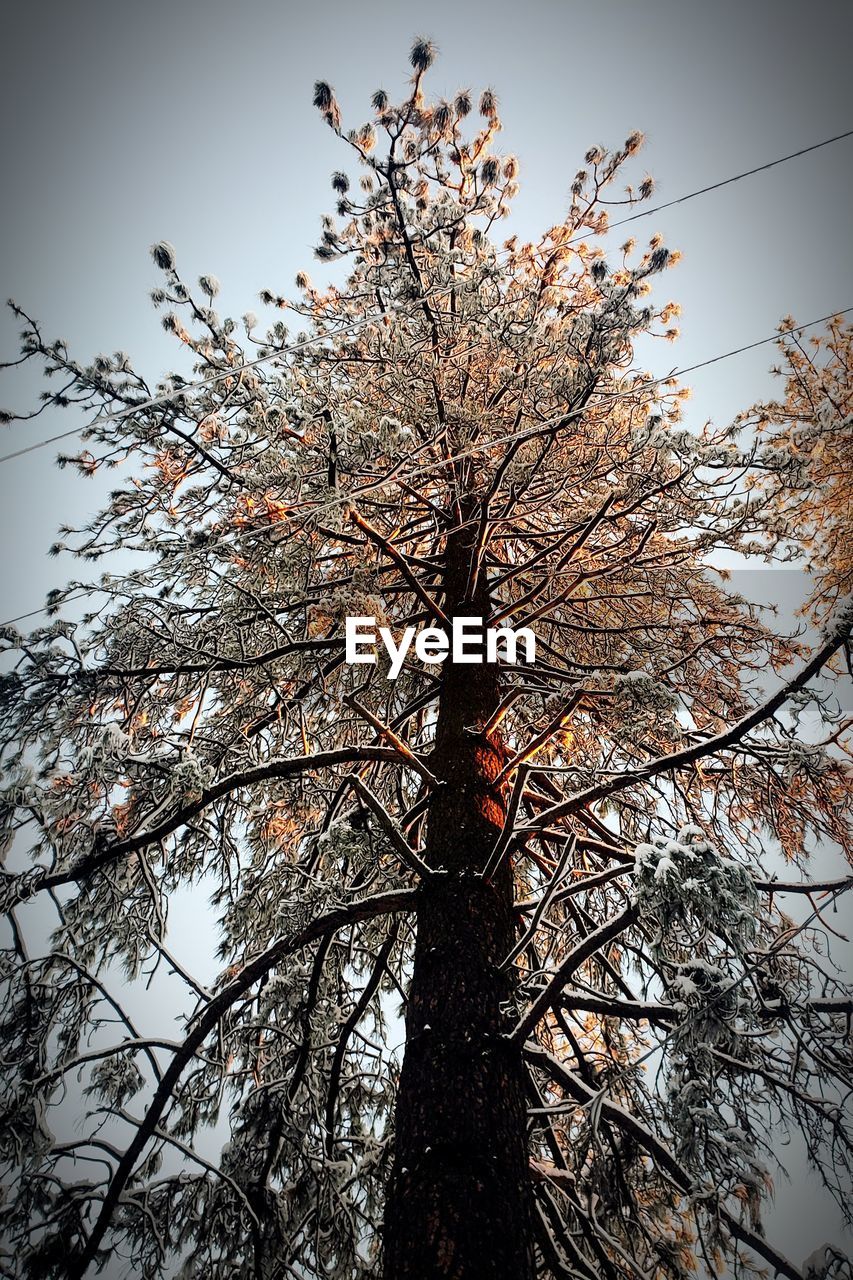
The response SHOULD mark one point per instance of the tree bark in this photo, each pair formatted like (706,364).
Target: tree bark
(458,1202)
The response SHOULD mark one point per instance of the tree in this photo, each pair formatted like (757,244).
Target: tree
(555,870)
(809,436)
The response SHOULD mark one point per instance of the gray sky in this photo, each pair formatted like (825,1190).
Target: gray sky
(126,124)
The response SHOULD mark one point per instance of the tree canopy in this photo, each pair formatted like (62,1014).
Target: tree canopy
(562,874)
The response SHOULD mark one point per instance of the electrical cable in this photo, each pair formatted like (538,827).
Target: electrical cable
(701,191)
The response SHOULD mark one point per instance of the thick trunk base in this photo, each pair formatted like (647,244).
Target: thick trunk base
(458,1201)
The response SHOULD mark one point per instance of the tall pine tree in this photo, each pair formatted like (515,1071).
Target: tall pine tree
(506,987)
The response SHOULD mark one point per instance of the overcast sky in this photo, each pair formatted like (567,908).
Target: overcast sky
(126,124)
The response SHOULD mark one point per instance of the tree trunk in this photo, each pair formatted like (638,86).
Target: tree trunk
(458,1203)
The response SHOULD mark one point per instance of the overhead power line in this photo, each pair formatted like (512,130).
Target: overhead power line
(187,387)
(762,342)
(527,432)
(713,186)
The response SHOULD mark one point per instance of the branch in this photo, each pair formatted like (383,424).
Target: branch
(234,782)
(583,951)
(400,561)
(610,1007)
(405,752)
(214,663)
(409,856)
(380,904)
(834,887)
(543,903)
(582,885)
(347,1029)
(688,756)
(629,1124)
